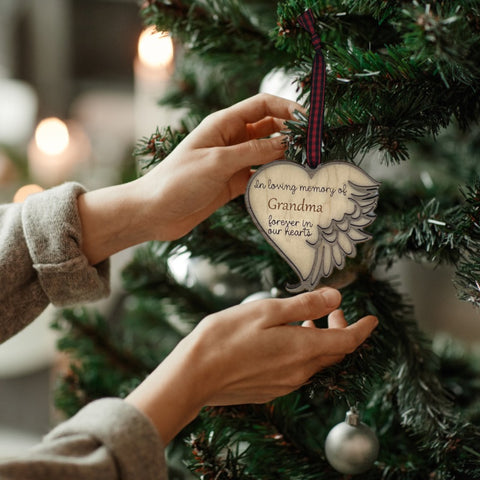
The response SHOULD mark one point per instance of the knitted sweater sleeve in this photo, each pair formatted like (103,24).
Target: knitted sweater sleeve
(41,261)
(106,440)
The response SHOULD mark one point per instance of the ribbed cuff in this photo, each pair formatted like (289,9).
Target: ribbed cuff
(129,436)
(53,233)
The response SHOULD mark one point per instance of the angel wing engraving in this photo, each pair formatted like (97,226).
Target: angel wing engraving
(313,217)
(338,240)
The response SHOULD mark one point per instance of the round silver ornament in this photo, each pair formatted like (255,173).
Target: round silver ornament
(351,447)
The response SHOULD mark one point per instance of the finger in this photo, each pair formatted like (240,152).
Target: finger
(305,306)
(308,324)
(340,341)
(337,320)
(263,105)
(265,127)
(363,328)
(253,152)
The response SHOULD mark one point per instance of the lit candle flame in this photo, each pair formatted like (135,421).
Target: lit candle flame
(51,136)
(155,49)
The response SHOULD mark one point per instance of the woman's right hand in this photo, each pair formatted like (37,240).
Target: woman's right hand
(249,353)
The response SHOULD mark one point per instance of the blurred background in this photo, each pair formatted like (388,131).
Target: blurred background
(75,94)
(79,85)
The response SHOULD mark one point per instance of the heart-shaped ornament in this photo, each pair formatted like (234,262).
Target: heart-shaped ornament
(312,217)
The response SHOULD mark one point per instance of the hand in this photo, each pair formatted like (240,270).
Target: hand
(249,353)
(210,167)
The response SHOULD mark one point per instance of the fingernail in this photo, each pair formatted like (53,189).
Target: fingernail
(332,297)
(282,142)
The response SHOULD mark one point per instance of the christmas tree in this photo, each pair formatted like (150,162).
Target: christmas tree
(402,87)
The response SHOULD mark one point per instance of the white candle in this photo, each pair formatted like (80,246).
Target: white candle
(153,68)
(18,109)
(56,151)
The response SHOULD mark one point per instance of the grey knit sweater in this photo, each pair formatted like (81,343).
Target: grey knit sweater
(40,263)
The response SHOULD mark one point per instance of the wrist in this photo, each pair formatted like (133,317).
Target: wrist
(172,395)
(112,219)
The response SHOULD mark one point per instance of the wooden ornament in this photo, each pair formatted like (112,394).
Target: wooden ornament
(312,217)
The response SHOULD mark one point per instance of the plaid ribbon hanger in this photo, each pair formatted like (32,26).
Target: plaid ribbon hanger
(317,93)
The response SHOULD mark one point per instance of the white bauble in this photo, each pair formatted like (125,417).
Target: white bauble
(280,83)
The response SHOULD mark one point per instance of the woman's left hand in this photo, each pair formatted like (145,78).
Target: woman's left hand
(210,167)
(213,164)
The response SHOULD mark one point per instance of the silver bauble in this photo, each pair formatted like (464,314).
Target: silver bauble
(351,447)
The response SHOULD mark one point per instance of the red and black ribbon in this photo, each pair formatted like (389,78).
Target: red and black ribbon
(317,94)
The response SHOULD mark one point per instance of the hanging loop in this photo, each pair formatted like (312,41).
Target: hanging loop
(317,93)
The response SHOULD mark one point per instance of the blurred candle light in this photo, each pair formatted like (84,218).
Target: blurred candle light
(25,191)
(56,151)
(52,136)
(153,68)
(155,49)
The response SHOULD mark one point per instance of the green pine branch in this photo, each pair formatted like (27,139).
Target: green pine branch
(99,364)
(399,74)
(397,88)
(218,31)
(432,231)
(155,148)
